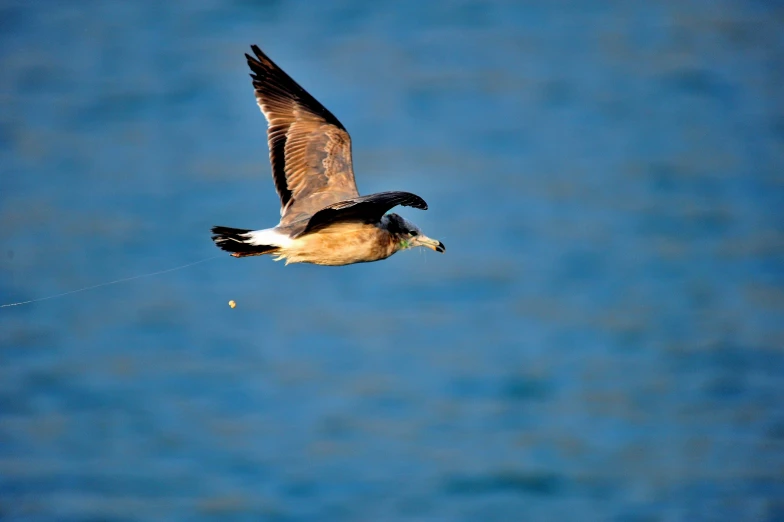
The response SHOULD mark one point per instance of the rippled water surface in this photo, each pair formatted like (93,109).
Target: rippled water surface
(603,339)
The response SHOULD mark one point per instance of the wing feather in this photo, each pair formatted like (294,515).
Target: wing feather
(310,150)
(366,209)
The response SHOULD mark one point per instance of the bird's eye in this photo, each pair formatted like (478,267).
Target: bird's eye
(413,233)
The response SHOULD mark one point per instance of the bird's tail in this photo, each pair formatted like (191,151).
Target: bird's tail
(237,241)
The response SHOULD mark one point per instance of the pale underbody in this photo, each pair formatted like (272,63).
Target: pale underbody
(337,244)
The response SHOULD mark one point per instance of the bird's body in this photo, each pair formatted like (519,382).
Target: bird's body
(324,220)
(342,244)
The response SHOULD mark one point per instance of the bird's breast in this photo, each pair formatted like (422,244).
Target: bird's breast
(342,244)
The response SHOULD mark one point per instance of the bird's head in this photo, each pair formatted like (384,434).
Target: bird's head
(407,235)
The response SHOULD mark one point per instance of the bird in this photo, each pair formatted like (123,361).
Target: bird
(324,220)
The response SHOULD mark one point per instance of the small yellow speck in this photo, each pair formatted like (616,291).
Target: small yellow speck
(232,303)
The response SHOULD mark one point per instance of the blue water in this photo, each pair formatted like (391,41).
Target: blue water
(603,339)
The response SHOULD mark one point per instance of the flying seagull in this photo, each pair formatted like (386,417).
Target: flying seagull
(323,220)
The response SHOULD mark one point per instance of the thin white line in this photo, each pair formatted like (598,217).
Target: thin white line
(111,282)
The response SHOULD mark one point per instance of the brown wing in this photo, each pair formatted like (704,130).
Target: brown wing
(310,150)
(367,209)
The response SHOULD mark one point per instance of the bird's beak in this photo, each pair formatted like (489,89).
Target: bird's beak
(423,240)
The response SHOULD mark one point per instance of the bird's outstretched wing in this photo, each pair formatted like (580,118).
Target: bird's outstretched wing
(310,150)
(368,209)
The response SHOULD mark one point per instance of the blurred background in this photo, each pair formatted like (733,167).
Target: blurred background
(603,339)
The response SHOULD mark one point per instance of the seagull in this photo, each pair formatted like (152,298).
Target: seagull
(323,220)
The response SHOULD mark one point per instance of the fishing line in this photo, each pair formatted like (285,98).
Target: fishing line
(112,282)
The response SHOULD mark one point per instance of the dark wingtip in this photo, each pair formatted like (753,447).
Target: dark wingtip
(440,248)
(260,60)
(257,51)
(416,202)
